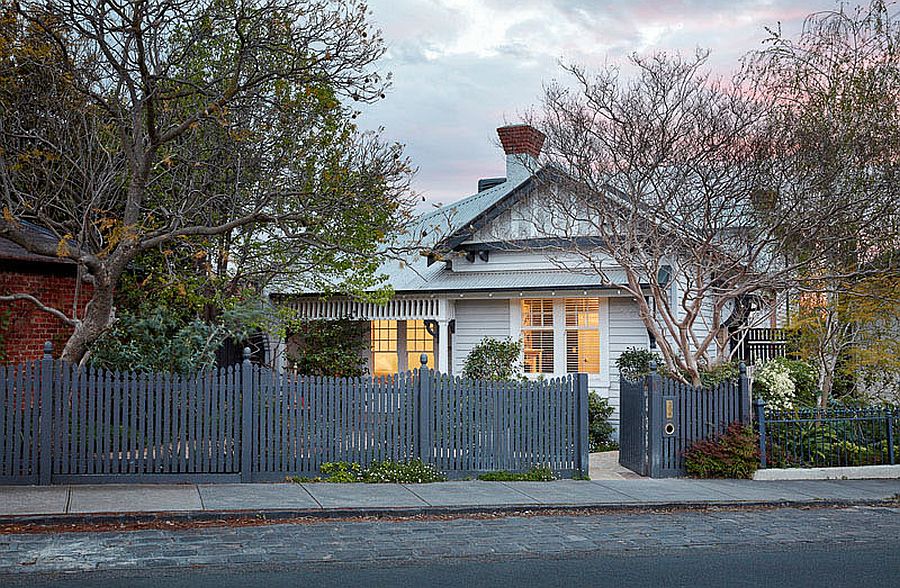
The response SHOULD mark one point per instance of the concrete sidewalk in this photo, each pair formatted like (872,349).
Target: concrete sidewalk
(325,499)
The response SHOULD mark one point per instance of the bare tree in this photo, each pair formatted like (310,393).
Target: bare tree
(666,184)
(132,125)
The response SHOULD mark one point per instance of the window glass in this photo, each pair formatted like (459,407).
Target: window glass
(537,335)
(582,335)
(384,348)
(418,341)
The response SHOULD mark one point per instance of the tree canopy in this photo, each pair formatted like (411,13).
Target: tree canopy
(219,131)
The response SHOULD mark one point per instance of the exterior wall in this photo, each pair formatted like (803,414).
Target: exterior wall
(625,330)
(475,320)
(502,261)
(27,327)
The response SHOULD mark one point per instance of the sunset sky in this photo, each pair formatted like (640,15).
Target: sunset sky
(464,67)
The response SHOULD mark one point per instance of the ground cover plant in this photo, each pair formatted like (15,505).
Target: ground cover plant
(412,471)
(534,474)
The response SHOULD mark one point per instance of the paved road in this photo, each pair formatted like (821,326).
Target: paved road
(795,547)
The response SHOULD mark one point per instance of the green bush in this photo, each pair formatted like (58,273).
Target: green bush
(492,359)
(342,472)
(786,383)
(330,348)
(413,471)
(535,474)
(600,431)
(734,454)
(634,363)
(725,372)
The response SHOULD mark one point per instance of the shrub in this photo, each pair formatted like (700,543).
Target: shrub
(413,471)
(535,474)
(772,382)
(634,364)
(493,359)
(725,372)
(599,429)
(734,454)
(330,348)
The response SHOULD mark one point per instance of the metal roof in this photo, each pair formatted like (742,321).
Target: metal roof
(446,280)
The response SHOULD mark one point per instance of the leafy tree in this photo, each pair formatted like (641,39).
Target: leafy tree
(492,359)
(216,130)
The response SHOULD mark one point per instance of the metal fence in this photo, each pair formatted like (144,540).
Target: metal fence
(61,423)
(830,437)
(661,418)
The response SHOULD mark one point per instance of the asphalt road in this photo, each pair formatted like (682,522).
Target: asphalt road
(870,565)
(770,547)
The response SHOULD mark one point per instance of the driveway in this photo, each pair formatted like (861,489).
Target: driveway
(605,466)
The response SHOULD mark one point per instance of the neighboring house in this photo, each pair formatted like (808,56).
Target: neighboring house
(24,328)
(484,274)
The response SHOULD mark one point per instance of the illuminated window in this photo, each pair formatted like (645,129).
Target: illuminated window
(384,348)
(418,341)
(537,335)
(582,335)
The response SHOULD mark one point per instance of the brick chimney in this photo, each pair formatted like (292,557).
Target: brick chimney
(521,140)
(522,144)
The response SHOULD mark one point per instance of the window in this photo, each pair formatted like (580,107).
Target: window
(561,335)
(537,335)
(384,348)
(582,335)
(418,341)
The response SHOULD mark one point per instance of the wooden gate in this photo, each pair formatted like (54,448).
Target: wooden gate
(662,417)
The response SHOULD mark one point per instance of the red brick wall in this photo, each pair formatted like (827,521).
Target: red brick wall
(27,327)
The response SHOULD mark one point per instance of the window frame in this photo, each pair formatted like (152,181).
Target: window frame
(597,380)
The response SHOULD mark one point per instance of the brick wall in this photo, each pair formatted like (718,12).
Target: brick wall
(27,327)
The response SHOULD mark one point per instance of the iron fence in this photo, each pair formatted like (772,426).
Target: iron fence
(829,437)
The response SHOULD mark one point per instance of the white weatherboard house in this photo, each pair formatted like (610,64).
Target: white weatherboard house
(473,286)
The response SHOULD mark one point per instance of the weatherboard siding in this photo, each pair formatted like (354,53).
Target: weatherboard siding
(475,320)
(625,330)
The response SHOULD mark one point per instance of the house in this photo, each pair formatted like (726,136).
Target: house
(471,286)
(24,328)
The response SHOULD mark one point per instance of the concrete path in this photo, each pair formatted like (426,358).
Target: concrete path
(605,466)
(31,502)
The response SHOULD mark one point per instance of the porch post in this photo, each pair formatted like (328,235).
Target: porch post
(443,346)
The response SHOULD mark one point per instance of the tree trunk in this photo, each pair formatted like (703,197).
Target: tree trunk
(97,318)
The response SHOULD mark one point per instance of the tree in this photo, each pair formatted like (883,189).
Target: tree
(837,113)
(215,125)
(650,185)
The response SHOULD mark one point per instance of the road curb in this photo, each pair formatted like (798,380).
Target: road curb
(275,515)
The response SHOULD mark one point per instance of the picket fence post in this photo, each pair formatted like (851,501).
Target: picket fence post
(424,409)
(46,415)
(246,417)
(583,443)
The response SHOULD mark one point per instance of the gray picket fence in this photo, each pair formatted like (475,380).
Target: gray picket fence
(661,418)
(60,423)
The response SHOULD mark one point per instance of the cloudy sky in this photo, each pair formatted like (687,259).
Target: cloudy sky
(461,68)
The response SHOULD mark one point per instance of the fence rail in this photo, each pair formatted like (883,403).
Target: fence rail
(60,423)
(831,437)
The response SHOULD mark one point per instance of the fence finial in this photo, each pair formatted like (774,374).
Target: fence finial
(246,354)
(423,359)
(742,368)
(652,366)
(48,350)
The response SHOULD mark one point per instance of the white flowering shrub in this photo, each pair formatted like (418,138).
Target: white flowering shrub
(772,382)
